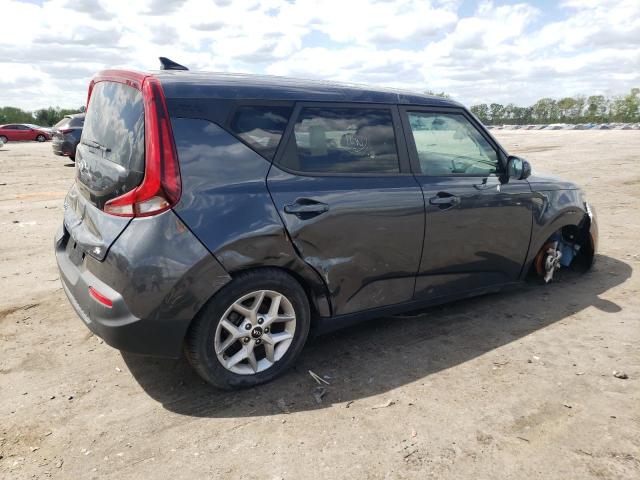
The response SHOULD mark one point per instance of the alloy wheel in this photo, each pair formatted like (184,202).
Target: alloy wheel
(255,332)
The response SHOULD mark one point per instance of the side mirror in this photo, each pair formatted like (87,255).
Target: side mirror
(517,168)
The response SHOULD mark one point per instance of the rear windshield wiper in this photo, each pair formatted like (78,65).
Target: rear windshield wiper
(94,144)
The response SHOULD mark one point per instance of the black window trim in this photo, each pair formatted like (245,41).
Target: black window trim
(413,151)
(401,147)
(257,103)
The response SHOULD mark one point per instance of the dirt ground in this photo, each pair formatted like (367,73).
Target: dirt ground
(516,385)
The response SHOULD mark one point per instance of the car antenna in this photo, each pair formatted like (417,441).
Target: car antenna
(166,64)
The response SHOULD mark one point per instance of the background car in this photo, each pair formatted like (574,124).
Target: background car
(16,132)
(66,135)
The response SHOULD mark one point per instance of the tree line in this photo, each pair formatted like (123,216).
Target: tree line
(593,109)
(580,109)
(45,117)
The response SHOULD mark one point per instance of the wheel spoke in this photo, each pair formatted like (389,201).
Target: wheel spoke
(258,301)
(275,306)
(280,337)
(268,351)
(226,344)
(252,361)
(231,328)
(285,318)
(237,357)
(242,310)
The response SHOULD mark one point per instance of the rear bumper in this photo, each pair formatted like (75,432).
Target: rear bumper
(66,149)
(152,308)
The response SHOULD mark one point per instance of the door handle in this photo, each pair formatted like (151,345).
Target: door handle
(306,208)
(443,199)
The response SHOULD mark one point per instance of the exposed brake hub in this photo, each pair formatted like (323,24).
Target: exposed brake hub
(552,256)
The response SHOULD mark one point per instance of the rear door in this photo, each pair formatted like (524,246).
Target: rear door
(109,163)
(477,229)
(343,187)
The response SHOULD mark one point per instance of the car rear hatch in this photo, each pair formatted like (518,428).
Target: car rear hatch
(126,164)
(57,130)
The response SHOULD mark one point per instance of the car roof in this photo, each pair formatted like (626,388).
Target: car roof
(240,86)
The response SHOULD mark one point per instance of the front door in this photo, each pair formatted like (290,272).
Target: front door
(477,229)
(343,187)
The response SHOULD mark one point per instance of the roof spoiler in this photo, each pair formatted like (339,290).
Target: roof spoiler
(166,64)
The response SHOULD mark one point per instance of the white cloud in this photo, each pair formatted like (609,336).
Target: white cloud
(498,52)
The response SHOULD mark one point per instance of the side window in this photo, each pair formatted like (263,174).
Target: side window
(261,127)
(448,144)
(343,140)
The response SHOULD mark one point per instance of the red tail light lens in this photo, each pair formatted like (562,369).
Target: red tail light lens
(161,187)
(100,298)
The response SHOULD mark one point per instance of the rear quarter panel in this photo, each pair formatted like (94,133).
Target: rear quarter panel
(226,203)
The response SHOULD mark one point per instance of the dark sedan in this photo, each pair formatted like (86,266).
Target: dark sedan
(66,135)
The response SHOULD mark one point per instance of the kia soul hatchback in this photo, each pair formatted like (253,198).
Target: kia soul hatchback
(228,216)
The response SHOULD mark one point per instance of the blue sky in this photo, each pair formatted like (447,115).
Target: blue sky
(477,51)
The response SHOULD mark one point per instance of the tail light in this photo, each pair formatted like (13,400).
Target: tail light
(161,187)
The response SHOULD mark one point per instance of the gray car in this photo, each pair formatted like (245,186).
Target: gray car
(230,216)
(66,135)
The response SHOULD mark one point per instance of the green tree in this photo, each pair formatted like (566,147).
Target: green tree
(481,111)
(496,112)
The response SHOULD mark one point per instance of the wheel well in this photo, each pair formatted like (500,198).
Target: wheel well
(577,234)
(308,290)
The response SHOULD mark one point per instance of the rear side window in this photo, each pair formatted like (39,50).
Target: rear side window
(115,122)
(343,140)
(261,127)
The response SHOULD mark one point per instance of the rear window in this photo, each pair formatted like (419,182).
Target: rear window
(261,127)
(62,123)
(76,122)
(115,122)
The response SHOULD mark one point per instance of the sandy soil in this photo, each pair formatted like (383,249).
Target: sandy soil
(516,385)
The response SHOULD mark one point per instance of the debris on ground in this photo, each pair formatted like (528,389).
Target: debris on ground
(620,374)
(319,380)
(318,393)
(282,405)
(348,404)
(386,404)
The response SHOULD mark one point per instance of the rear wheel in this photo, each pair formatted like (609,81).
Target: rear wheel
(3,139)
(40,138)
(251,331)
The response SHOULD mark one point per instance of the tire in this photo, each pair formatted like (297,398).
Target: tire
(209,333)
(40,138)
(3,139)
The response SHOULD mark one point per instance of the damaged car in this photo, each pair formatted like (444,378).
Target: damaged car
(231,216)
